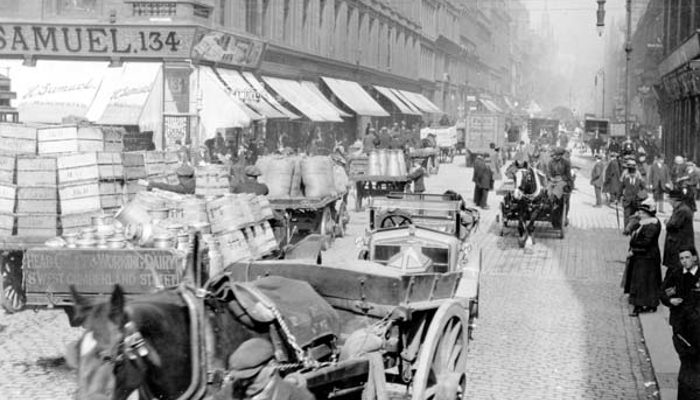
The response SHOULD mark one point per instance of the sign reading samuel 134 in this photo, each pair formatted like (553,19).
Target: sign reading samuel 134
(99,41)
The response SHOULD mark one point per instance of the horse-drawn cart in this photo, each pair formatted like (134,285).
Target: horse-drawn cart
(326,216)
(528,207)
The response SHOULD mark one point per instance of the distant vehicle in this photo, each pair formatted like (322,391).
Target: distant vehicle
(481,131)
(601,126)
(543,130)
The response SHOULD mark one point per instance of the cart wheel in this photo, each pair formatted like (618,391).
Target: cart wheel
(443,354)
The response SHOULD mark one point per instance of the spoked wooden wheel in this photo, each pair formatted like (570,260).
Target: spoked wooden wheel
(442,362)
(395,220)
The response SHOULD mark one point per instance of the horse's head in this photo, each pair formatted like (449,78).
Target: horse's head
(112,357)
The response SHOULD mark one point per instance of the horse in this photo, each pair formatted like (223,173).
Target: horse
(143,344)
(529,189)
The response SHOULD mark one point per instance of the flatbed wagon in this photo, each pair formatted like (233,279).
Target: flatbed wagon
(327,216)
(368,186)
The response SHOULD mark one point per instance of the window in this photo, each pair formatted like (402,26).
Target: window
(76,8)
(287,22)
(251,16)
(154,9)
(201,11)
(222,12)
(321,11)
(265,21)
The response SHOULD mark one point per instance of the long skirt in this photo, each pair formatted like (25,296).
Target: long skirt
(642,281)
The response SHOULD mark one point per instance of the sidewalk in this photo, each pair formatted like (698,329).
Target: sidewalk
(655,328)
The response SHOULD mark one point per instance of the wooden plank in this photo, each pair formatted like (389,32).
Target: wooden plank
(36,163)
(79,197)
(52,133)
(18,146)
(73,222)
(135,172)
(114,171)
(113,146)
(26,223)
(37,192)
(69,146)
(133,159)
(7,168)
(75,160)
(43,200)
(8,195)
(109,158)
(36,178)
(7,223)
(18,131)
(79,174)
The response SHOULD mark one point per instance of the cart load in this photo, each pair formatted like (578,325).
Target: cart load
(378,174)
(446,139)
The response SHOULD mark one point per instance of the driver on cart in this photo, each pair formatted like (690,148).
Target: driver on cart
(559,181)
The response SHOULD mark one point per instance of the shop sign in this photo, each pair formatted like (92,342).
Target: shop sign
(227,49)
(96,41)
(175,127)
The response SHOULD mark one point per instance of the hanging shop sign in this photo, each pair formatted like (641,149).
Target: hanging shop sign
(129,42)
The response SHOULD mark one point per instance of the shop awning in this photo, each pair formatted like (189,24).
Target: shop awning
(247,94)
(399,94)
(127,94)
(491,106)
(355,97)
(323,101)
(219,109)
(422,102)
(395,100)
(257,85)
(304,100)
(53,90)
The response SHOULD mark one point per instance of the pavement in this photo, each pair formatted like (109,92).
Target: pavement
(553,321)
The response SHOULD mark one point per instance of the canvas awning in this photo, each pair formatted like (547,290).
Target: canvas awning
(355,97)
(303,99)
(247,94)
(257,85)
(126,94)
(491,106)
(399,94)
(421,102)
(53,90)
(219,109)
(395,100)
(324,102)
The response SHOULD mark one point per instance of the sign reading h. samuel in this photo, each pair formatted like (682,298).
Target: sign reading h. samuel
(129,42)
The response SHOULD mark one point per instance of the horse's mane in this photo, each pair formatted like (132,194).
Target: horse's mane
(155,313)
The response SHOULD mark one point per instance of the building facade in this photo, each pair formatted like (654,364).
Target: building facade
(445,50)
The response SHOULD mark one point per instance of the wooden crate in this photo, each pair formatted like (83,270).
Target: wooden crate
(37,199)
(7,224)
(79,197)
(113,139)
(134,165)
(77,167)
(110,165)
(18,138)
(69,139)
(111,194)
(36,170)
(8,196)
(37,225)
(7,168)
(76,221)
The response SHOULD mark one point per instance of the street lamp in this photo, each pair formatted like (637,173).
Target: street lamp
(600,23)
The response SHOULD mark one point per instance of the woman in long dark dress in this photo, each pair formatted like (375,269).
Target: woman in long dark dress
(643,273)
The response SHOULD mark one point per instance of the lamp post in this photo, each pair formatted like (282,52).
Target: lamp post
(628,54)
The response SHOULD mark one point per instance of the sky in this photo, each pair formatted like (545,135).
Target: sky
(580,50)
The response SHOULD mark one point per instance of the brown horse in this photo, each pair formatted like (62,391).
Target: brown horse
(143,344)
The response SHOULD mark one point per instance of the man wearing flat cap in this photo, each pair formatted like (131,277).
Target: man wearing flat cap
(560,183)
(254,374)
(679,229)
(250,183)
(633,190)
(185,185)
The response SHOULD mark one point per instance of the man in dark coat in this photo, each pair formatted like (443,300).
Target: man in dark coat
(483,182)
(186,181)
(680,292)
(643,270)
(370,141)
(613,172)
(679,230)
(250,184)
(659,180)
(384,139)
(633,189)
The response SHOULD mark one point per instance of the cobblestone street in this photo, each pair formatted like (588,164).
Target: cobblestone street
(553,321)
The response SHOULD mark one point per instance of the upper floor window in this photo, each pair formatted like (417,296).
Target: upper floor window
(251,16)
(154,9)
(74,8)
(201,11)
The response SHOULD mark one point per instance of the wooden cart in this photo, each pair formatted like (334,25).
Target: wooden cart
(368,186)
(430,155)
(326,216)
(422,322)
(12,250)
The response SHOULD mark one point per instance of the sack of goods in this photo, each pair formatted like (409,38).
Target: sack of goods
(277,173)
(340,177)
(317,177)
(387,163)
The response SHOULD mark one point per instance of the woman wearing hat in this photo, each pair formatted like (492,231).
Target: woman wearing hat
(642,278)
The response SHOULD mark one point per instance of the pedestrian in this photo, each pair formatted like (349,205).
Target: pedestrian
(597,180)
(678,170)
(612,184)
(418,174)
(384,138)
(643,268)
(560,183)
(496,162)
(679,292)
(659,181)
(633,189)
(483,181)
(679,230)
(370,141)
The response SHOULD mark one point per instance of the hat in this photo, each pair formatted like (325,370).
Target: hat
(184,170)
(678,160)
(630,164)
(559,151)
(675,194)
(250,357)
(597,156)
(252,170)
(648,205)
